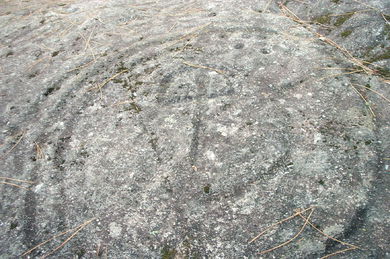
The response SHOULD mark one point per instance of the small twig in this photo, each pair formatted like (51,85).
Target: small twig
(365,101)
(326,235)
(340,74)
(40,154)
(338,252)
(204,67)
(349,13)
(173,26)
(16,180)
(384,17)
(30,67)
(191,34)
(14,146)
(82,66)
(336,68)
(45,242)
(267,5)
(69,238)
(376,92)
(277,223)
(99,87)
(288,13)
(15,185)
(291,239)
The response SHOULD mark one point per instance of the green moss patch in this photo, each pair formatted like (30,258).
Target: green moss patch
(324,19)
(345,33)
(386,30)
(168,253)
(342,19)
(383,56)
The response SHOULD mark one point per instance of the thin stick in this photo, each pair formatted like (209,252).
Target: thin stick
(340,74)
(267,5)
(88,40)
(69,238)
(41,244)
(277,223)
(326,235)
(191,34)
(335,68)
(338,252)
(290,240)
(16,180)
(173,26)
(204,67)
(15,185)
(369,6)
(82,66)
(288,13)
(365,101)
(384,17)
(99,87)
(121,102)
(14,146)
(353,12)
(381,95)
(40,154)
(37,61)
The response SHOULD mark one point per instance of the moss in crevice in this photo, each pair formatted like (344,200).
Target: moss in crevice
(386,30)
(345,33)
(324,19)
(385,72)
(168,253)
(342,19)
(206,188)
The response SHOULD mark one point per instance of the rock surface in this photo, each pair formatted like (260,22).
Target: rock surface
(184,129)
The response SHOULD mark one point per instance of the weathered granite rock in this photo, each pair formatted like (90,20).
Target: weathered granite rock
(186,128)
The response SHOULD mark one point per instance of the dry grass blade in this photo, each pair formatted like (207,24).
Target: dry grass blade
(14,146)
(291,239)
(340,74)
(15,180)
(349,13)
(191,34)
(204,67)
(76,229)
(69,238)
(289,14)
(384,17)
(32,65)
(99,87)
(45,242)
(338,252)
(376,92)
(326,235)
(121,103)
(82,66)
(267,5)
(39,152)
(367,5)
(365,101)
(336,68)
(277,223)
(15,185)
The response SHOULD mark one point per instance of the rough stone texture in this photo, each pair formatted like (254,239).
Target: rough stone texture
(214,120)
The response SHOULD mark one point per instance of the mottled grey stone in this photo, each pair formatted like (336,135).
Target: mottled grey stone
(215,119)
